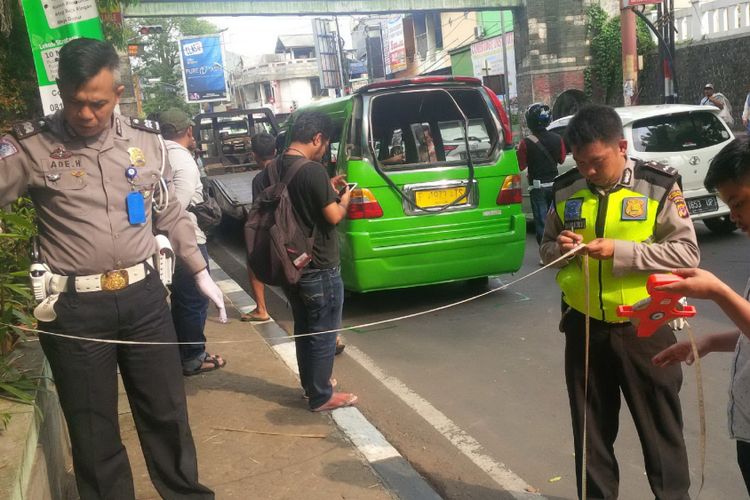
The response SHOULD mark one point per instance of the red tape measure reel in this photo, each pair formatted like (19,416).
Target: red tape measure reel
(661,308)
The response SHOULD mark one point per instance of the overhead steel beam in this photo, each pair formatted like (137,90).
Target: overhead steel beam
(163,8)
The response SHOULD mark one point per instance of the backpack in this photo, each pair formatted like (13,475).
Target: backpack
(278,247)
(207,212)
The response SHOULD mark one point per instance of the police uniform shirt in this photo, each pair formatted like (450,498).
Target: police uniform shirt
(672,245)
(79,188)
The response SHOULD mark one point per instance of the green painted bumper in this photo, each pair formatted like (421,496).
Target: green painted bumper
(413,264)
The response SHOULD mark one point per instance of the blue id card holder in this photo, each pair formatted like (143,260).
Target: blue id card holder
(136,208)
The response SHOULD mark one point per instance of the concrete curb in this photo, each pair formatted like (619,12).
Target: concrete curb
(395,471)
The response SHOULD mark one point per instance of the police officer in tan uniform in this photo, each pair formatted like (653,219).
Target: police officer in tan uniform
(633,219)
(95,180)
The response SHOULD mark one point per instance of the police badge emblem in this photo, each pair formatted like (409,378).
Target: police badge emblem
(634,208)
(137,158)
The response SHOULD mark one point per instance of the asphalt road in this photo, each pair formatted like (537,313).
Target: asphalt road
(468,392)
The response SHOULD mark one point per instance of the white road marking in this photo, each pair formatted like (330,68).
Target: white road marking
(364,435)
(466,444)
(229,286)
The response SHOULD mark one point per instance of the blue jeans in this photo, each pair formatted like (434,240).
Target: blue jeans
(541,199)
(317,301)
(189,312)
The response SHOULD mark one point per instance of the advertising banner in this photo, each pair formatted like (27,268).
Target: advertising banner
(202,59)
(396,54)
(487,59)
(51,24)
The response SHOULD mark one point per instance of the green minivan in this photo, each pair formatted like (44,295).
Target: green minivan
(438,194)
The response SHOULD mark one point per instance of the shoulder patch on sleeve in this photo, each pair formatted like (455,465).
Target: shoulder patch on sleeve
(147,125)
(660,167)
(7,149)
(22,130)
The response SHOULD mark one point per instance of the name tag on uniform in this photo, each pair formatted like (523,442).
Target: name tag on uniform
(634,208)
(136,208)
(572,214)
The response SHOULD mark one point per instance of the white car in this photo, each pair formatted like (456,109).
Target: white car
(682,136)
(454,143)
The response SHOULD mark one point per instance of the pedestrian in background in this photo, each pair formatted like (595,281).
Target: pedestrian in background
(717,99)
(317,299)
(98,183)
(263,148)
(746,113)
(633,219)
(541,152)
(189,306)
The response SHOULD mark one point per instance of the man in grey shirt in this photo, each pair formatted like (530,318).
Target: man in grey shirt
(189,306)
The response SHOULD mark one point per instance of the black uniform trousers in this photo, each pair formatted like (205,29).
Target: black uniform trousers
(85,376)
(621,361)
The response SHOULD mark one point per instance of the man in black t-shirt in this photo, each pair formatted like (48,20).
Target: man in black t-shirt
(317,299)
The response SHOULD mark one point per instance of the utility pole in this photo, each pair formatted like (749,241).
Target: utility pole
(629,55)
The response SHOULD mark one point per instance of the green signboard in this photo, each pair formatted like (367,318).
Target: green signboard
(52,23)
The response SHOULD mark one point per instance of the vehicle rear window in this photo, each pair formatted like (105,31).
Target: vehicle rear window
(423,128)
(678,132)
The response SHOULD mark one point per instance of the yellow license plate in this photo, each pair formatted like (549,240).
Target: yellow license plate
(439,197)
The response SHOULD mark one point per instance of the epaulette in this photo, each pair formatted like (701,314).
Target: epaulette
(147,125)
(566,177)
(22,130)
(660,168)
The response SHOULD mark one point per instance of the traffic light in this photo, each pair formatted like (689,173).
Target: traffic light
(150,30)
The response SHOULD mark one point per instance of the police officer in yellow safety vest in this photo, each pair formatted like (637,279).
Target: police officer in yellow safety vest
(634,221)
(101,186)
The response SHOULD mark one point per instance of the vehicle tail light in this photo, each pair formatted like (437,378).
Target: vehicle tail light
(449,148)
(364,205)
(510,192)
(504,121)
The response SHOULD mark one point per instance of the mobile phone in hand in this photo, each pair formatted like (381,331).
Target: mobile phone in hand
(351,185)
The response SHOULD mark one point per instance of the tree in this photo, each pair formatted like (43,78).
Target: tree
(159,68)
(604,75)
(19,95)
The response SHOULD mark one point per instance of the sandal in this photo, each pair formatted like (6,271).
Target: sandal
(214,362)
(340,346)
(334,383)
(254,317)
(338,400)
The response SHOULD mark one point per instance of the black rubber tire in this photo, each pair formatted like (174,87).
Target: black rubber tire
(720,225)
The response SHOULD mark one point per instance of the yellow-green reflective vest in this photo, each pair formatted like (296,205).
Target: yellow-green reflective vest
(627,212)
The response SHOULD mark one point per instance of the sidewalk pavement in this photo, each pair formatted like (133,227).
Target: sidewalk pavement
(255,436)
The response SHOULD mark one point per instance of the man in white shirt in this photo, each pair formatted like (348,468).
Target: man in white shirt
(719,100)
(189,307)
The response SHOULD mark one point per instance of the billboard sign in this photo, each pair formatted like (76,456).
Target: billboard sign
(327,54)
(396,53)
(487,59)
(51,24)
(203,73)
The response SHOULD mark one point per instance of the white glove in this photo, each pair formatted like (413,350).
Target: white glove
(678,324)
(209,289)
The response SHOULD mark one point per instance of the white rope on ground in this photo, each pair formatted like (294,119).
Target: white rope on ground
(342,329)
